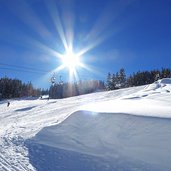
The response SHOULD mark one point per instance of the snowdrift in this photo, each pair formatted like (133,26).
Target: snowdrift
(163,85)
(152,100)
(103,141)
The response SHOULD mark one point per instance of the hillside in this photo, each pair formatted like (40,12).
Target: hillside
(127,129)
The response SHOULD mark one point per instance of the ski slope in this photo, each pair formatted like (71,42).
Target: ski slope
(128,129)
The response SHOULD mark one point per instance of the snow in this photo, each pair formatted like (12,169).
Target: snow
(128,129)
(123,142)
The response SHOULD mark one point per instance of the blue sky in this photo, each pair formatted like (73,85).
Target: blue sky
(134,34)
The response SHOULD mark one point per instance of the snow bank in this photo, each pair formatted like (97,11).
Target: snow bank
(133,105)
(103,141)
(152,100)
(165,81)
(44,97)
(160,85)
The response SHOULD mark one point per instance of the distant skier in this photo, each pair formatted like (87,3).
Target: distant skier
(8,103)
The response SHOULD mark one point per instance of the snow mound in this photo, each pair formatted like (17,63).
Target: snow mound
(103,142)
(160,85)
(165,81)
(159,90)
(44,97)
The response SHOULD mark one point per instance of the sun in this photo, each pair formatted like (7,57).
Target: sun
(71,60)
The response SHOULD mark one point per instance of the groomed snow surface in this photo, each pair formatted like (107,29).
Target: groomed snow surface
(123,130)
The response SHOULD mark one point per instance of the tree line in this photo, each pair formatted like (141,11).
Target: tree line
(120,80)
(14,88)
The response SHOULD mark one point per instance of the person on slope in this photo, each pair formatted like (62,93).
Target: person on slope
(8,103)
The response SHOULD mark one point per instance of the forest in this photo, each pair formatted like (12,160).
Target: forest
(15,88)
(120,80)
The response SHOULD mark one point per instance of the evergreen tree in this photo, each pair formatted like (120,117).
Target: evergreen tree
(109,82)
(113,82)
(117,80)
(122,78)
(166,73)
(130,81)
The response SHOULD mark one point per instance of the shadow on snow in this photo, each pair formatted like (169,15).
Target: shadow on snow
(88,141)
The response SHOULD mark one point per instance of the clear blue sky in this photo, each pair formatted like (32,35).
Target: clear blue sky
(134,34)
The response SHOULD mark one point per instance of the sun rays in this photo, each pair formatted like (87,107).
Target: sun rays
(68,52)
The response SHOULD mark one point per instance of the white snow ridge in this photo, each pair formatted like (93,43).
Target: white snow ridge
(123,130)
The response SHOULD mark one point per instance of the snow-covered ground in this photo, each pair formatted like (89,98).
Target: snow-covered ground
(128,129)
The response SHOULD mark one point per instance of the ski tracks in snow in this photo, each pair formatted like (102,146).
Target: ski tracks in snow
(13,157)
(22,121)
(13,154)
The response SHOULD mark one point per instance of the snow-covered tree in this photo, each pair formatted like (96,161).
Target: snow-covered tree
(122,78)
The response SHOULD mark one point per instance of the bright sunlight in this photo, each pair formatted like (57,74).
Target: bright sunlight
(71,60)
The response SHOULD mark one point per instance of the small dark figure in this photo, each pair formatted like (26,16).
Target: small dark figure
(8,104)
